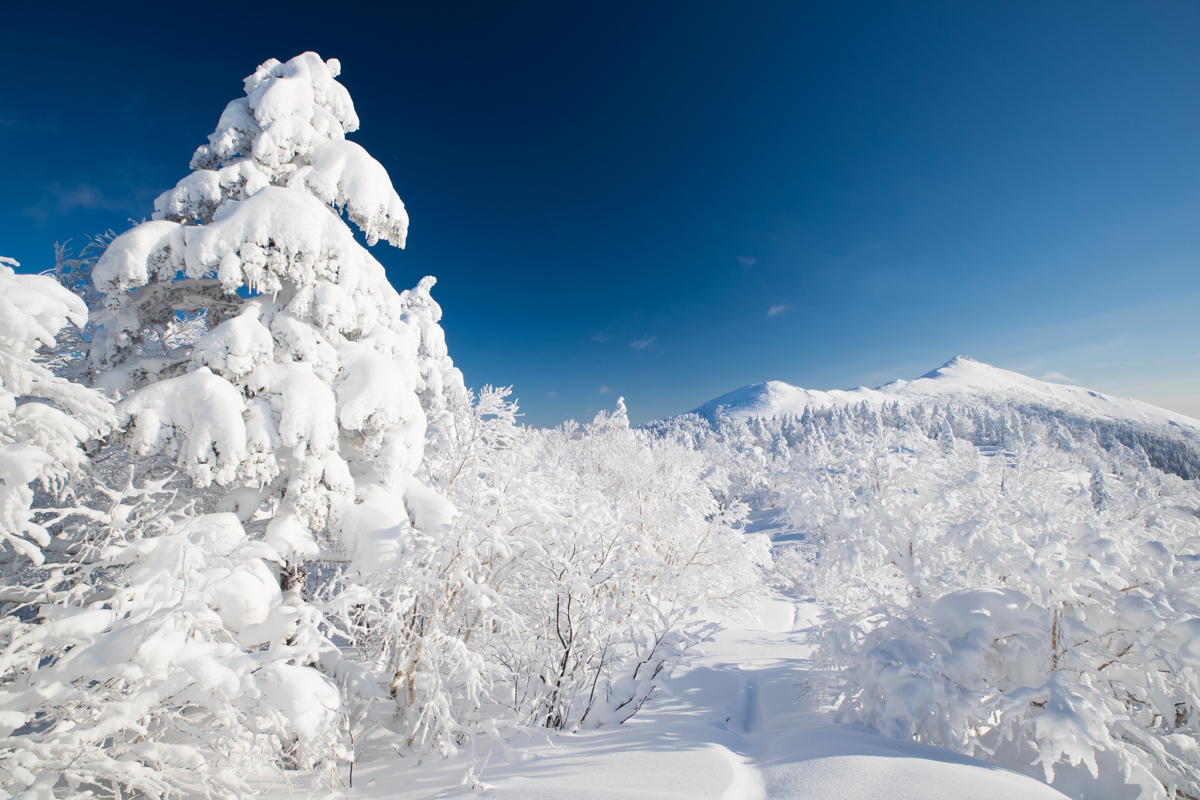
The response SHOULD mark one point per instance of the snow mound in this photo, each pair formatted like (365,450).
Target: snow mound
(960,380)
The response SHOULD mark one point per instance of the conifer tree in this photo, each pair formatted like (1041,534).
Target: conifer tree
(315,379)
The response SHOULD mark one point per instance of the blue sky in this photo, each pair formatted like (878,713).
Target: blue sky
(668,201)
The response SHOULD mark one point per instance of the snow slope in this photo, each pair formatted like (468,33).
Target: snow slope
(960,380)
(736,724)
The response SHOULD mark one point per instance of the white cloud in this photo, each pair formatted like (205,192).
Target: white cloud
(782,308)
(59,199)
(1056,377)
(747,261)
(605,390)
(643,343)
(601,337)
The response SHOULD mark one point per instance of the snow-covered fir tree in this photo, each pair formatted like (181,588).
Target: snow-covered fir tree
(315,377)
(189,662)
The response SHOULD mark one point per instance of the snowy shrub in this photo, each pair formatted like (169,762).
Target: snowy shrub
(642,546)
(44,419)
(188,674)
(556,581)
(997,585)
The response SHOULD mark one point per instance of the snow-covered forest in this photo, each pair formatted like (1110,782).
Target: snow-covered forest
(1005,584)
(256,531)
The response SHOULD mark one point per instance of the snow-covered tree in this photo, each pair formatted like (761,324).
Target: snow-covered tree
(44,419)
(172,660)
(315,380)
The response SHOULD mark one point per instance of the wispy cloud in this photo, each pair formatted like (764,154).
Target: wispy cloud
(601,337)
(1057,377)
(552,394)
(747,261)
(782,308)
(59,199)
(643,343)
(605,390)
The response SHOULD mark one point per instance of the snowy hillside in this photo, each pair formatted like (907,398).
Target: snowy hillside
(960,380)
(1170,440)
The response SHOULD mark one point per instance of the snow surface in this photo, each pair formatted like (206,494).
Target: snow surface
(959,380)
(738,723)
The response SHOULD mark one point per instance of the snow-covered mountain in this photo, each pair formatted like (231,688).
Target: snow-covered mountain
(961,380)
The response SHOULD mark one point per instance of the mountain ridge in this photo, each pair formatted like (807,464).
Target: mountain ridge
(960,380)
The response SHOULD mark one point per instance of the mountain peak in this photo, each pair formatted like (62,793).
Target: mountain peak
(957,361)
(961,380)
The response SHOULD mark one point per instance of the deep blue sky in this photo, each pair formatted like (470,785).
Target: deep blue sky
(614,196)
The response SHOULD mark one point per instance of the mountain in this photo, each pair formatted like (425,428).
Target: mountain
(960,381)
(1171,440)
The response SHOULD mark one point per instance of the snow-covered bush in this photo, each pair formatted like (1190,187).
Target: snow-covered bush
(551,580)
(1020,611)
(44,419)
(640,547)
(996,584)
(188,674)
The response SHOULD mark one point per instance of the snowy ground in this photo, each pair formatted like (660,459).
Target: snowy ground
(738,724)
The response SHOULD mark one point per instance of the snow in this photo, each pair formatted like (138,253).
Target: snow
(128,261)
(235,347)
(196,417)
(735,724)
(290,130)
(397,570)
(960,380)
(345,176)
(288,220)
(375,530)
(44,419)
